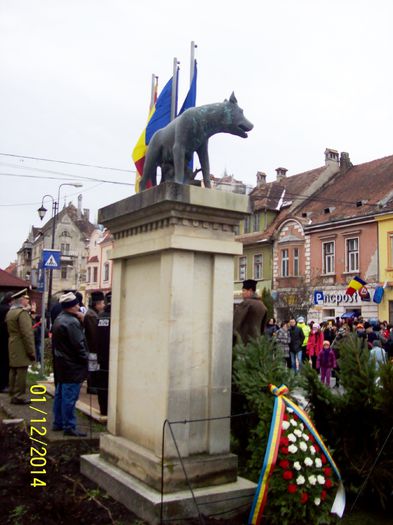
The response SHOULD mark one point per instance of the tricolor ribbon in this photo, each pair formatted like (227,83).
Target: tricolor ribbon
(269,461)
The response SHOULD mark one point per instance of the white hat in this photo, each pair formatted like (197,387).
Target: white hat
(68,300)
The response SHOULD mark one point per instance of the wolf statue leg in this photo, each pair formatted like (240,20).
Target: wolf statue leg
(179,162)
(203,156)
(152,161)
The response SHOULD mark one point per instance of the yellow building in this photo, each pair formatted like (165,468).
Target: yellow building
(385,245)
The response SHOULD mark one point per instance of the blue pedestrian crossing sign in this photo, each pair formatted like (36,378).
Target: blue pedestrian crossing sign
(51,259)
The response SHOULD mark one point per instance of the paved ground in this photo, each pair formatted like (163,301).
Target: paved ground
(88,415)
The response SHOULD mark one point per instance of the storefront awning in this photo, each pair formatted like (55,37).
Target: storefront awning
(351,315)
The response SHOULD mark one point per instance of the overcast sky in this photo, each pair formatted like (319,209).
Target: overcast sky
(75,86)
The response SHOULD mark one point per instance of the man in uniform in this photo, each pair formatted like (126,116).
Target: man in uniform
(21,348)
(250,315)
(90,322)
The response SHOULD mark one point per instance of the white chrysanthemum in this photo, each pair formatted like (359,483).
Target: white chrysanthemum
(301,426)
(305,437)
(321,479)
(318,462)
(297,432)
(292,449)
(285,425)
(303,446)
(297,465)
(308,462)
(300,480)
(312,450)
(289,410)
(293,422)
(292,438)
(317,501)
(312,479)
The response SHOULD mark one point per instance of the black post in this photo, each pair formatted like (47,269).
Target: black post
(54,208)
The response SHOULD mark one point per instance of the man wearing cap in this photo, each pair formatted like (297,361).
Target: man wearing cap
(21,348)
(306,332)
(4,359)
(71,359)
(250,315)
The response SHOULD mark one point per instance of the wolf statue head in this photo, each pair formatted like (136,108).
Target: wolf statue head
(235,122)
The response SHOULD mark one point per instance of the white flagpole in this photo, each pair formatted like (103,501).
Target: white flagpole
(154,79)
(174,89)
(192,60)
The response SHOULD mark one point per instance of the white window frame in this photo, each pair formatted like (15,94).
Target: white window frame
(242,268)
(296,262)
(95,274)
(258,266)
(328,259)
(285,262)
(351,256)
(106,271)
(256,218)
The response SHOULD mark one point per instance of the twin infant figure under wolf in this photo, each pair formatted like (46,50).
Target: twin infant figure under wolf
(172,147)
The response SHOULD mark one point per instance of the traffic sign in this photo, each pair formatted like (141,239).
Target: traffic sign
(51,259)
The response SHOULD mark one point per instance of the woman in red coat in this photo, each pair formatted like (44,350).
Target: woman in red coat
(315,344)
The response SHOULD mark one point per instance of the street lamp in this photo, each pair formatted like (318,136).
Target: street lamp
(41,213)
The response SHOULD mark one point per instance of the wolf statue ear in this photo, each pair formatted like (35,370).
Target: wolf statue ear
(232,98)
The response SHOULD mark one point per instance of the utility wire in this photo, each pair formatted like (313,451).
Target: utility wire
(85,165)
(68,177)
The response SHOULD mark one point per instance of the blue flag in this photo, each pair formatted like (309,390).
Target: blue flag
(190,100)
(162,114)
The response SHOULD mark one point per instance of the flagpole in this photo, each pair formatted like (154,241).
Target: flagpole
(154,79)
(192,60)
(174,89)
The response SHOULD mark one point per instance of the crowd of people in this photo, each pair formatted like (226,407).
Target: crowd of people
(316,343)
(80,350)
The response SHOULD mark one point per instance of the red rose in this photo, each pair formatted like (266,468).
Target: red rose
(323,495)
(303,498)
(284,463)
(317,449)
(287,474)
(312,439)
(323,459)
(292,488)
(328,483)
(284,450)
(327,471)
(284,441)
(285,418)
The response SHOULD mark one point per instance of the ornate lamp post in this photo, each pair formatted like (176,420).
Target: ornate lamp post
(41,213)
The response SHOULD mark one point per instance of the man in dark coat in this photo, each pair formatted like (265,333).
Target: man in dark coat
(21,348)
(102,375)
(4,361)
(90,322)
(295,346)
(250,315)
(71,358)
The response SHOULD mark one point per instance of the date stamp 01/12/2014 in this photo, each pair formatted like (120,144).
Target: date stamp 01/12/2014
(37,433)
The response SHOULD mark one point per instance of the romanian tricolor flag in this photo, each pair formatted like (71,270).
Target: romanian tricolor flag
(159,117)
(355,285)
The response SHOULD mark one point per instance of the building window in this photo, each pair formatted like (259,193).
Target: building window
(65,248)
(247,225)
(242,268)
(284,263)
(352,248)
(64,272)
(88,274)
(390,250)
(258,266)
(328,257)
(256,222)
(296,261)
(106,271)
(95,274)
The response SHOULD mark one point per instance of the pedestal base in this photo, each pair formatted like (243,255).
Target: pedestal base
(229,499)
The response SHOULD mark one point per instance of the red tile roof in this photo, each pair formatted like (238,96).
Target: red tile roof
(10,281)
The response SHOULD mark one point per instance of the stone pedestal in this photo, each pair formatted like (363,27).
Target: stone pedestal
(171,346)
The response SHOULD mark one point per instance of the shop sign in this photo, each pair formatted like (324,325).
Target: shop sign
(329,298)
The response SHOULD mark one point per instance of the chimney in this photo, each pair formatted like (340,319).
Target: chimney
(86,214)
(345,162)
(331,156)
(281,174)
(261,179)
(79,206)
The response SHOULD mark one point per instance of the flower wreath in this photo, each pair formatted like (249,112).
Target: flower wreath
(306,470)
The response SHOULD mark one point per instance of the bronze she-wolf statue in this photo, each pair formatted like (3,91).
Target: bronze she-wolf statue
(172,147)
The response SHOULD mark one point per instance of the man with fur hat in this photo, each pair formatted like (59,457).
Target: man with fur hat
(71,359)
(250,315)
(21,347)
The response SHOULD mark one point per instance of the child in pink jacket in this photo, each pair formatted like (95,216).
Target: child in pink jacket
(314,344)
(326,361)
